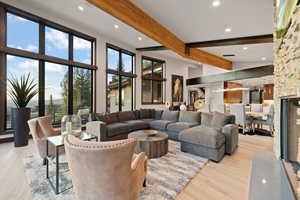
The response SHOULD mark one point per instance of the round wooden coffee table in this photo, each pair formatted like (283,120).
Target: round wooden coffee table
(153,143)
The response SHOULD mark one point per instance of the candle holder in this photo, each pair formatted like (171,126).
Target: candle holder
(71,124)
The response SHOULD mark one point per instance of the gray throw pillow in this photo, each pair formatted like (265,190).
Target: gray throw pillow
(126,116)
(220,119)
(170,115)
(206,119)
(189,116)
(147,113)
(158,114)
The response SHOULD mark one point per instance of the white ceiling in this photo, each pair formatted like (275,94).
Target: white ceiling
(192,20)
(197,20)
(254,53)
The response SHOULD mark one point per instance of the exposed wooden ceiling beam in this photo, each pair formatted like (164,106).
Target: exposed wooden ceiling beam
(223,42)
(255,72)
(132,15)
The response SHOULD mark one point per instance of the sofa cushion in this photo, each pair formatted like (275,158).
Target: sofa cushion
(126,116)
(148,120)
(189,116)
(180,126)
(170,115)
(220,119)
(117,129)
(146,113)
(137,124)
(111,118)
(206,118)
(159,124)
(157,114)
(203,135)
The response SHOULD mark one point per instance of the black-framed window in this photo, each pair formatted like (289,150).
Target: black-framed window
(59,59)
(119,77)
(152,81)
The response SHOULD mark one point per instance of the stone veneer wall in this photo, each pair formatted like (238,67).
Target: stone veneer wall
(286,70)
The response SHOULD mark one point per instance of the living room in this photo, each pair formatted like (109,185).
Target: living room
(118,100)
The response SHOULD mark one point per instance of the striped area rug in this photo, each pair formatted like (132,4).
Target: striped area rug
(166,177)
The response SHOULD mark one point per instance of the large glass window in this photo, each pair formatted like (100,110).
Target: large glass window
(82,50)
(112,59)
(152,81)
(56,91)
(57,43)
(126,93)
(82,90)
(65,84)
(22,33)
(120,64)
(112,93)
(17,67)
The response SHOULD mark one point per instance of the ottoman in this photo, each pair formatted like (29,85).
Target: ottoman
(203,141)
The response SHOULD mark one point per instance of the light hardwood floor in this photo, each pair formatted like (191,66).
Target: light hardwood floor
(228,179)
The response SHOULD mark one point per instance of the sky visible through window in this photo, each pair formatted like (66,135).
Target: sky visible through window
(24,34)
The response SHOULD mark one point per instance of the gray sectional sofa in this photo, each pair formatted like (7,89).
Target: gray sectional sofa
(209,135)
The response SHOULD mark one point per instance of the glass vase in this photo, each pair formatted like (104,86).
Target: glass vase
(71,124)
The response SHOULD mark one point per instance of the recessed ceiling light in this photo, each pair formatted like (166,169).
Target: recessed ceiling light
(216,3)
(80,8)
(264,58)
(228,30)
(245,48)
(116,26)
(140,38)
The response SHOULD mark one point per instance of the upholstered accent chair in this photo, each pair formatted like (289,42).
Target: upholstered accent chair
(240,116)
(255,107)
(105,170)
(267,122)
(40,129)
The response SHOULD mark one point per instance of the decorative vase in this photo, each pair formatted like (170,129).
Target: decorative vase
(20,116)
(71,124)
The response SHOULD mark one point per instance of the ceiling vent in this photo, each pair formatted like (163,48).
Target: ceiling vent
(228,55)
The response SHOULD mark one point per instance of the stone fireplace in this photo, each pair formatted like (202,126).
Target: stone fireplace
(287,93)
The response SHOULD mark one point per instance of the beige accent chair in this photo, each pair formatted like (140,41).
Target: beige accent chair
(105,170)
(256,107)
(40,129)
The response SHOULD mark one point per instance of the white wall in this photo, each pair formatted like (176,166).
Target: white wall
(194,72)
(173,66)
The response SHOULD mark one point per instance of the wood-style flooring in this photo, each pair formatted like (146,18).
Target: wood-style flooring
(228,179)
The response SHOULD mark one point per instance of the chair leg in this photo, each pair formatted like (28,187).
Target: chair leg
(145,183)
(44,161)
(244,129)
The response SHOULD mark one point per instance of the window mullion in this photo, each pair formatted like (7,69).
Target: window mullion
(70,77)
(2,70)
(120,81)
(41,71)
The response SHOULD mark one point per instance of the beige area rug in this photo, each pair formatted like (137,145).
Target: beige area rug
(166,177)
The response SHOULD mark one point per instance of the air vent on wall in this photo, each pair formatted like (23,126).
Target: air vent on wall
(228,55)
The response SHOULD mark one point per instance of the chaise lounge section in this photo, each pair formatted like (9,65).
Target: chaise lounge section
(206,134)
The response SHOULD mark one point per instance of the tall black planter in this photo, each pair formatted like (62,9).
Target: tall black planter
(20,116)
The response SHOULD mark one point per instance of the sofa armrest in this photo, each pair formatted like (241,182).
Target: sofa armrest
(97,128)
(231,133)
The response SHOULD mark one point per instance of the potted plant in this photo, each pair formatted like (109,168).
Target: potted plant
(21,91)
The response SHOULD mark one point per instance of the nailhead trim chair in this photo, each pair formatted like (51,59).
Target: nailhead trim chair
(105,170)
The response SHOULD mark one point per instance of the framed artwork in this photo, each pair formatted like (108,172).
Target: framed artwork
(177,88)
